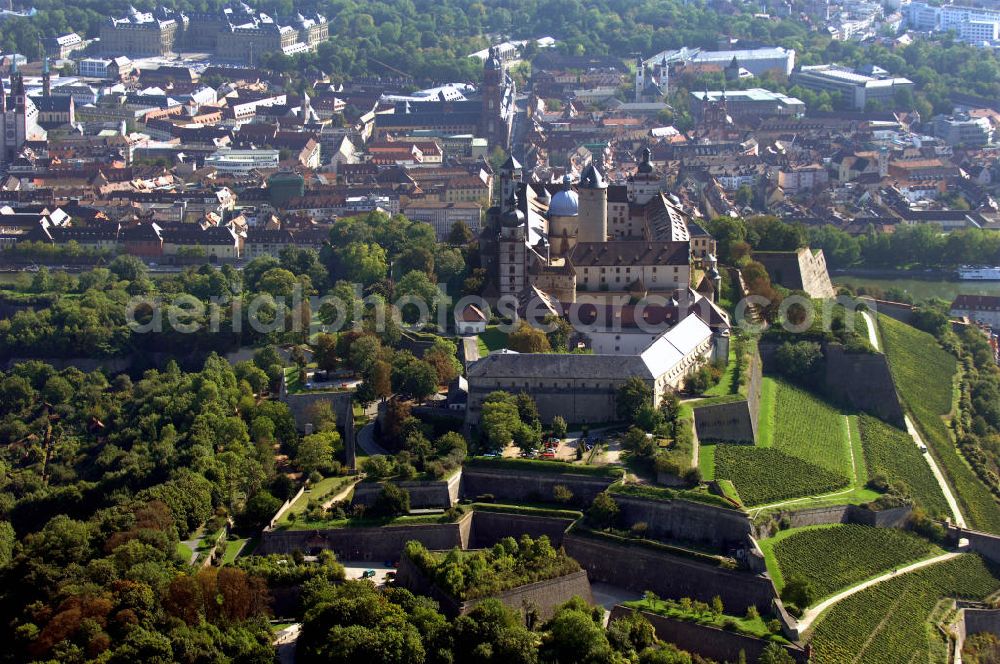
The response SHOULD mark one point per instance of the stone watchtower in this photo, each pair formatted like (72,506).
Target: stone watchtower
(593,208)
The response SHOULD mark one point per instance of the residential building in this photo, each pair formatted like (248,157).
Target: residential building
(961,129)
(984,309)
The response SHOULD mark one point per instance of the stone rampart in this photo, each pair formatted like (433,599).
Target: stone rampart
(711,642)
(639,568)
(818,516)
(528,486)
(863,381)
(488,528)
(385,543)
(986,545)
(542,596)
(735,421)
(685,521)
(423,494)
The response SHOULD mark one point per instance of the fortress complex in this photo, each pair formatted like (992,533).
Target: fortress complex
(235,33)
(600,253)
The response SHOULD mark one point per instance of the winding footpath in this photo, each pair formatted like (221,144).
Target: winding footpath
(366,440)
(938,475)
(811,614)
(956,513)
(872,334)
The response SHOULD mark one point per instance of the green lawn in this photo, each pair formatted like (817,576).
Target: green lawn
(493,339)
(727,384)
(923,373)
(835,557)
(766,413)
(321,490)
(233,548)
(184,551)
(706,461)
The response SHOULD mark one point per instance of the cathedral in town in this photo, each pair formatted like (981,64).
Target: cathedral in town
(20,119)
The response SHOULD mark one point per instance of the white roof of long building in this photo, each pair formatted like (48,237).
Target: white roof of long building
(675,344)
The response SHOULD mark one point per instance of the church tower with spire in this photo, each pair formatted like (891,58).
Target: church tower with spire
(19,117)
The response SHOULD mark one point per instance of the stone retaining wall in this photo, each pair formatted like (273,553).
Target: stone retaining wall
(488,528)
(423,494)
(817,516)
(736,421)
(685,521)
(710,642)
(542,596)
(986,545)
(528,486)
(637,568)
(863,381)
(378,544)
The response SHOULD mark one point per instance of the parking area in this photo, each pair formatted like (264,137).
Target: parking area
(355,569)
(563,450)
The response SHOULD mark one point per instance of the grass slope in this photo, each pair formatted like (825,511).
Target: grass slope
(890,452)
(923,372)
(764,475)
(840,556)
(887,623)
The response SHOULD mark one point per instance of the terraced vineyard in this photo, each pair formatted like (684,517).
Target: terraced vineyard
(890,452)
(841,556)
(887,623)
(765,475)
(923,372)
(809,428)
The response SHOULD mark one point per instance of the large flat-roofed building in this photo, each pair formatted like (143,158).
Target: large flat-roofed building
(583,387)
(442,215)
(747,103)
(854,88)
(757,61)
(241,162)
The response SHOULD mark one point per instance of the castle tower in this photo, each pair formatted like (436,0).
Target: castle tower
(593,208)
(512,255)
(564,219)
(645,183)
(510,176)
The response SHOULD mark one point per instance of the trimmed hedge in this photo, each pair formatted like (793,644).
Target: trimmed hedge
(527,510)
(543,466)
(668,495)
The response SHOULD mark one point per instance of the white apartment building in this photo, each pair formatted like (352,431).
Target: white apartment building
(241,162)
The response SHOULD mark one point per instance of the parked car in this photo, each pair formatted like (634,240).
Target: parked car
(548,455)
(368,574)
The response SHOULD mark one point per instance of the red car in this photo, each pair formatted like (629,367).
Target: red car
(549,455)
